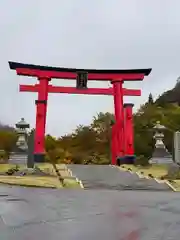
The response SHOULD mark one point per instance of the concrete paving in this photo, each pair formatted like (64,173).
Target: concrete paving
(111,178)
(46,214)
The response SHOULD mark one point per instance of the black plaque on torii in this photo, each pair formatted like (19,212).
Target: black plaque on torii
(81,80)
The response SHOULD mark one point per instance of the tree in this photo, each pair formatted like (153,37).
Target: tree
(8,140)
(102,126)
(150,99)
(102,122)
(50,143)
(55,155)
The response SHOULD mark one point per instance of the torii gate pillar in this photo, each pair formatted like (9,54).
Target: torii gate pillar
(129,133)
(119,116)
(41,111)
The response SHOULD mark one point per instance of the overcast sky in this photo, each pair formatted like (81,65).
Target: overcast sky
(85,34)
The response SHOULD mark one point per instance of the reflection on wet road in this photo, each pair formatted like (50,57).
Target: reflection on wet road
(46,214)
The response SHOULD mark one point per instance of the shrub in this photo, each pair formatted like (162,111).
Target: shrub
(172,175)
(77,159)
(170,181)
(11,171)
(141,160)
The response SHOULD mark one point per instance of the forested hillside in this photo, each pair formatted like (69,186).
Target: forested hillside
(171,96)
(91,144)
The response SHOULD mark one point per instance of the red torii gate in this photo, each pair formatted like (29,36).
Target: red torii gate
(44,74)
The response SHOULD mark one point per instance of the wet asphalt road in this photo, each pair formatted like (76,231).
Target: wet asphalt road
(103,212)
(47,214)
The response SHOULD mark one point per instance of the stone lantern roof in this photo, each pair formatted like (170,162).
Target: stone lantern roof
(22,124)
(158,126)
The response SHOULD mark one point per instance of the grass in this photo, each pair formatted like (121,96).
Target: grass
(176,185)
(39,181)
(48,168)
(4,167)
(45,167)
(44,182)
(156,170)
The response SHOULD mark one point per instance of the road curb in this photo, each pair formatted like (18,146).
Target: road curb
(140,175)
(171,186)
(77,179)
(69,171)
(158,181)
(146,177)
(79,182)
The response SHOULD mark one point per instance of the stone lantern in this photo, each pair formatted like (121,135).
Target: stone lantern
(20,153)
(21,129)
(160,154)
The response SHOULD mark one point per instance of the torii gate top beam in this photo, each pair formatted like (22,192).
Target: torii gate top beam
(70,73)
(73,90)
